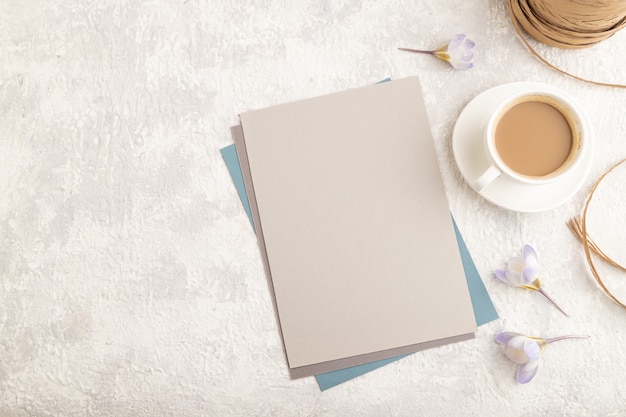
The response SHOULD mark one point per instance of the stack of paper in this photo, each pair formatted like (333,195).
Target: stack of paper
(353,224)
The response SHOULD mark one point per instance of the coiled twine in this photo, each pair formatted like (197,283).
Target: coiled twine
(570,24)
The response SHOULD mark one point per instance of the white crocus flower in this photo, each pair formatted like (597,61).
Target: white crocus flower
(524,272)
(459,52)
(526,352)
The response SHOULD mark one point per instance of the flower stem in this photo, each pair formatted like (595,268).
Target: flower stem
(545,294)
(570,336)
(419,51)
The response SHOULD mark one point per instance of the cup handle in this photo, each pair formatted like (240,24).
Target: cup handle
(487,178)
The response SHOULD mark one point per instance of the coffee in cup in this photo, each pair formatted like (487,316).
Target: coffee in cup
(534,137)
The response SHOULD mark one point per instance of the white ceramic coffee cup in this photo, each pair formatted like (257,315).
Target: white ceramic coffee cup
(496,167)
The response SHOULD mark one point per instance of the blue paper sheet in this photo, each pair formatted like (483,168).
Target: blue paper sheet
(484,310)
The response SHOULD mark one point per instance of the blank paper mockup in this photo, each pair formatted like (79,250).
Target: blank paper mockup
(355,227)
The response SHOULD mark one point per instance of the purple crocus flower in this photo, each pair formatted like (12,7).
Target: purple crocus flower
(526,352)
(459,52)
(524,272)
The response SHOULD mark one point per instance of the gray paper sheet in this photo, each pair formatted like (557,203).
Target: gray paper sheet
(362,258)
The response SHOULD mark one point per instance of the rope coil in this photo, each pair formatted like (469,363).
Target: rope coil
(568,24)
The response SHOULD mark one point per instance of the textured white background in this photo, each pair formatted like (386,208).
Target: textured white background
(130,281)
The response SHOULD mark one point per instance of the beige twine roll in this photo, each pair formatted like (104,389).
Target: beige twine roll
(570,24)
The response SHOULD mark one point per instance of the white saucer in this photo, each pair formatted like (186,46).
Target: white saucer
(506,192)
